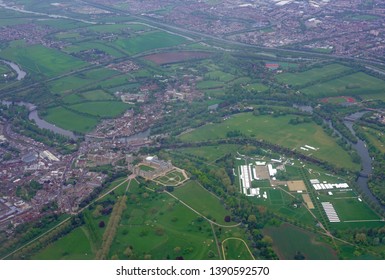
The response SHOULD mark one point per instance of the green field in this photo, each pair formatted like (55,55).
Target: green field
(156,226)
(99,45)
(288,240)
(146,168)
(349,208)
(312,75)
(41,60)
(219,75)
(202,201)
(172,178)
(355,84)
(149,41)
(96,95)
(103,109)
(69,83)
(210,84)
(277,130)
(70,120)
(210,153)
(73,246)
(236,250)
(256,87)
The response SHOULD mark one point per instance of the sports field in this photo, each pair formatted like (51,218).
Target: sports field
(277,130)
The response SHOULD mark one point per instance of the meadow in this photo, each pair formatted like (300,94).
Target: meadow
(103,109)
(288,240)
(202,201)
(210,153)
(277,130)
(70,120)
(41,60)
(357,84)
(149,41)
(312,75)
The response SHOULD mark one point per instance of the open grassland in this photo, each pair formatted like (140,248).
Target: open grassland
(219,75)
(360,84)
(103,109)
(116,28)
(149,41)
(173,57)
(67,119)
(209,84)
(312,75)
(288,240)
(96,95)
(69,83)
(375,137)
(94,44)
(256,87)
(202,201)
(235,249)
(210,153)
(277,130)
(156,226)
(73,246)
(41,60)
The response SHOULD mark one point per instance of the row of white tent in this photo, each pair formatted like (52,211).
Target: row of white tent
(330,212)
(328,186)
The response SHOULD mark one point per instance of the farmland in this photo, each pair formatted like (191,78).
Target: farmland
(41,60)
(312,75)
(173,57)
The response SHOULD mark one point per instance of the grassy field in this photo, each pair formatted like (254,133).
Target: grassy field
(73,246)
(288,240)
(149,41)
(96,95)
(235,249)
(256,87)
(69,120)
(210,153)
(94,44)
(172,178)
(312,75)
(156,226)
(220,76)
(209,84)
(41,60)
(278,131)
(67,84)
(104,109)
(375,137)
(202,201)
(360,84)
(348,207)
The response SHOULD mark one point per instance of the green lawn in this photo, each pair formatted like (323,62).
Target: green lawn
(312,75)
(202,201)
(96,95)
(288,240)
(210,153)
(73,246)
(69,83)
(277,130)
(219,75)
(41,60)
(210,84)
(70,120)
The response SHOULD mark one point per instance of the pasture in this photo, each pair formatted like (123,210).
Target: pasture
(161,228)
(103,109)
(73,246)
(202,201)
(277,130)
(70,120)
(312,75)
(288,240)
(41,60)
(357,84)
(149,41)
(96,95)
(235,249)
(210,153)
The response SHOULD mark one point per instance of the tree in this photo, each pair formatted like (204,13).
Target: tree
(227,219)
(102,224)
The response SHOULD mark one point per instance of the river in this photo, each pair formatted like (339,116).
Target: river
(20,73)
